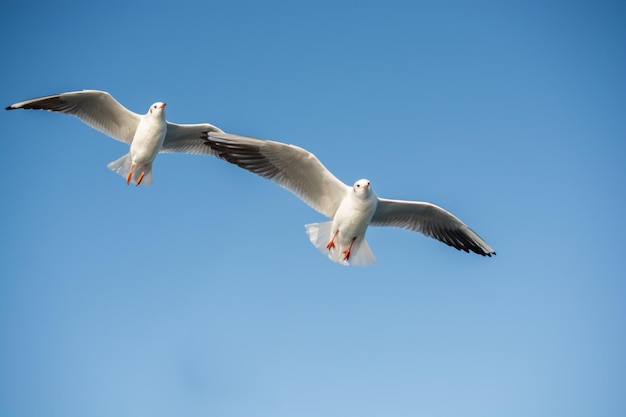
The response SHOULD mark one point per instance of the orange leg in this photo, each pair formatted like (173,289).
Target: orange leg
(130,176)
(331,244)
(140,177)
(347,251)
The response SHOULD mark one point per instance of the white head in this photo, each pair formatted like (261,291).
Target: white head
(362,188)
(157,109)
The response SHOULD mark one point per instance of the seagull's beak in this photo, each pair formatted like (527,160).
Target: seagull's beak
(366,186)
(163,105)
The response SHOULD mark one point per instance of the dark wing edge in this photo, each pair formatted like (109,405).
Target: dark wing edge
(96,108)
(432,221)
(289,166)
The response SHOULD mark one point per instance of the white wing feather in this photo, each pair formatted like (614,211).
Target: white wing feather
(431,220)
(188,138)
(96,108)
(289,166)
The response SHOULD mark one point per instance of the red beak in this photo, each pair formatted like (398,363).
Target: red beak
(163,105)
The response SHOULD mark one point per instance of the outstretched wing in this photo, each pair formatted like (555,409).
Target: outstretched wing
(96,108)
(431,220)
(289,166)
(188,138)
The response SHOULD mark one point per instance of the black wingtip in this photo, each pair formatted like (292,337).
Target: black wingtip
(10,108)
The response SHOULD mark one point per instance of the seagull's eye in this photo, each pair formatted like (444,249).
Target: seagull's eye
(358,185)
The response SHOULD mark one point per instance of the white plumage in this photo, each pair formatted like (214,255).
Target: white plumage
(352,209)
(146,134)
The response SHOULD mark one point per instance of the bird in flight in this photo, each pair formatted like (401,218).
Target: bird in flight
(351,209)
(147,134)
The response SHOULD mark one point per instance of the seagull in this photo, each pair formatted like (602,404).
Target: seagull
(146,134)
(352,209)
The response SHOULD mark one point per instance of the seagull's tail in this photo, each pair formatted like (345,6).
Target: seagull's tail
(362,254)
(123,166)
(321,233)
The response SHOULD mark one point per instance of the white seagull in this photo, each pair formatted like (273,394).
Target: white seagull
(352,209)
(146,134)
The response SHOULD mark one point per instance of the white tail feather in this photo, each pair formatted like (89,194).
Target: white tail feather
(122,166)
(361,254)
(321,233)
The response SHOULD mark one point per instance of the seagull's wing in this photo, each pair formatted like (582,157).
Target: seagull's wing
(96,108)
(431,220)
(289,166)
(188,138)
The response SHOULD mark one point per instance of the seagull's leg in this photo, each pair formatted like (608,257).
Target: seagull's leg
(331,244)
(140,177)
(347,251)
(130,174)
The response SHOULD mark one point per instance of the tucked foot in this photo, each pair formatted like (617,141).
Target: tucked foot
(140,177)
(331,244)
(130,176)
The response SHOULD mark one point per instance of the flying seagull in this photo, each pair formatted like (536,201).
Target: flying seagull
(146,134)
(352,209)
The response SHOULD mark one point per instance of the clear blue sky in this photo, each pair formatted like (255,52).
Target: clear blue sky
(202,296)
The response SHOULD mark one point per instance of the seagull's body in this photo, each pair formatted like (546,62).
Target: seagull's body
(146,134)
(344,237)
(352,209)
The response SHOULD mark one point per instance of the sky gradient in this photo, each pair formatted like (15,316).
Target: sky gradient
(201,294)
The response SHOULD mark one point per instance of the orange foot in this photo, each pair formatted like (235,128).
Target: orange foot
(140,177)
(130,176)
(331,244)
(346,253)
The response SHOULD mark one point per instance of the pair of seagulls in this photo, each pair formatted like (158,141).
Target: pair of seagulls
(351,209)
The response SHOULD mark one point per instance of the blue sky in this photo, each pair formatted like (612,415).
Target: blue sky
(201,295)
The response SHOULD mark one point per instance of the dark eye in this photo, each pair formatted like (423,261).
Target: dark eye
(358,185)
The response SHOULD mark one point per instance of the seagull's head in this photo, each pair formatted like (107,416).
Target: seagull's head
(157,108)
(362,188)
